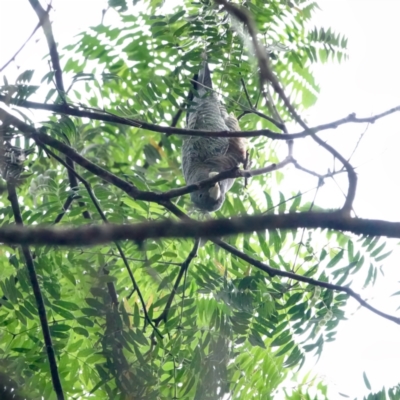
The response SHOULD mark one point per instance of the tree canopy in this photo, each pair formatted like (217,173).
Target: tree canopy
(108,292)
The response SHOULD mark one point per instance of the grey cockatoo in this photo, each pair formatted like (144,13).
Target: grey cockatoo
(204,157)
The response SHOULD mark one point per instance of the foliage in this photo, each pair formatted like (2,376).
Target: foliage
(385,394)
(231,328)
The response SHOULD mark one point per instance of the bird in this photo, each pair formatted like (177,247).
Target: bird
(204,157)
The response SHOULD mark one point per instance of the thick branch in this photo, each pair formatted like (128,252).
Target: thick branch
(99,234)
(274,272)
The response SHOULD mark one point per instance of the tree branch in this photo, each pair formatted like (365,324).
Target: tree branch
(127,187)
(55,377)
(352,176)
(184,267)
(55,60)
(91,235)
(48,32)
(275,272)
(25,43)
(100,115)
(266,73)
(253,110)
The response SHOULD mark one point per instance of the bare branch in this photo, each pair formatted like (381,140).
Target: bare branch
(26,42)
(352,176)
(48,32)
(253,110)
(321,177)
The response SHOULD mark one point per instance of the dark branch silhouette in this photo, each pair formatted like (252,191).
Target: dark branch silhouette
(266,73)
(99,115)
(127,187)
(26,42)
(274,272)
(253,110)
(51,43)
(59,82)
(352,176)
(91,235)
(55,377)
(183,269)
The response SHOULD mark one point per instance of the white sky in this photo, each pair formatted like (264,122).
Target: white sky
(368,83)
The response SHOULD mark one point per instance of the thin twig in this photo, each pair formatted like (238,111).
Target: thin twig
(252,110)
(67,109)
(26,42)
(352,176)
(358,143)
(65,207)
(266,73)
(183,269)
(174,122)
(321,177)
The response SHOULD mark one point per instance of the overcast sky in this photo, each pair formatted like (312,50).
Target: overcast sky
(366,84)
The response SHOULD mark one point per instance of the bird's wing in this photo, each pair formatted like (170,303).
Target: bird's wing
(237,145)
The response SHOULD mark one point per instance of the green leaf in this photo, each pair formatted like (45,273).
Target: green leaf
(177,16)
(366,381)
(350,251)
(383,256)
(255,339)
(335,259)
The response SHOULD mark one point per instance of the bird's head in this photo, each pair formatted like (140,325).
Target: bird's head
(208,199)
(211,197)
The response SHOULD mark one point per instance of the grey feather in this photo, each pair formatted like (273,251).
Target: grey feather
(204,155)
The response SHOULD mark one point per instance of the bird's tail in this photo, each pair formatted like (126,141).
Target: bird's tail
(204,77)
(201,83)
